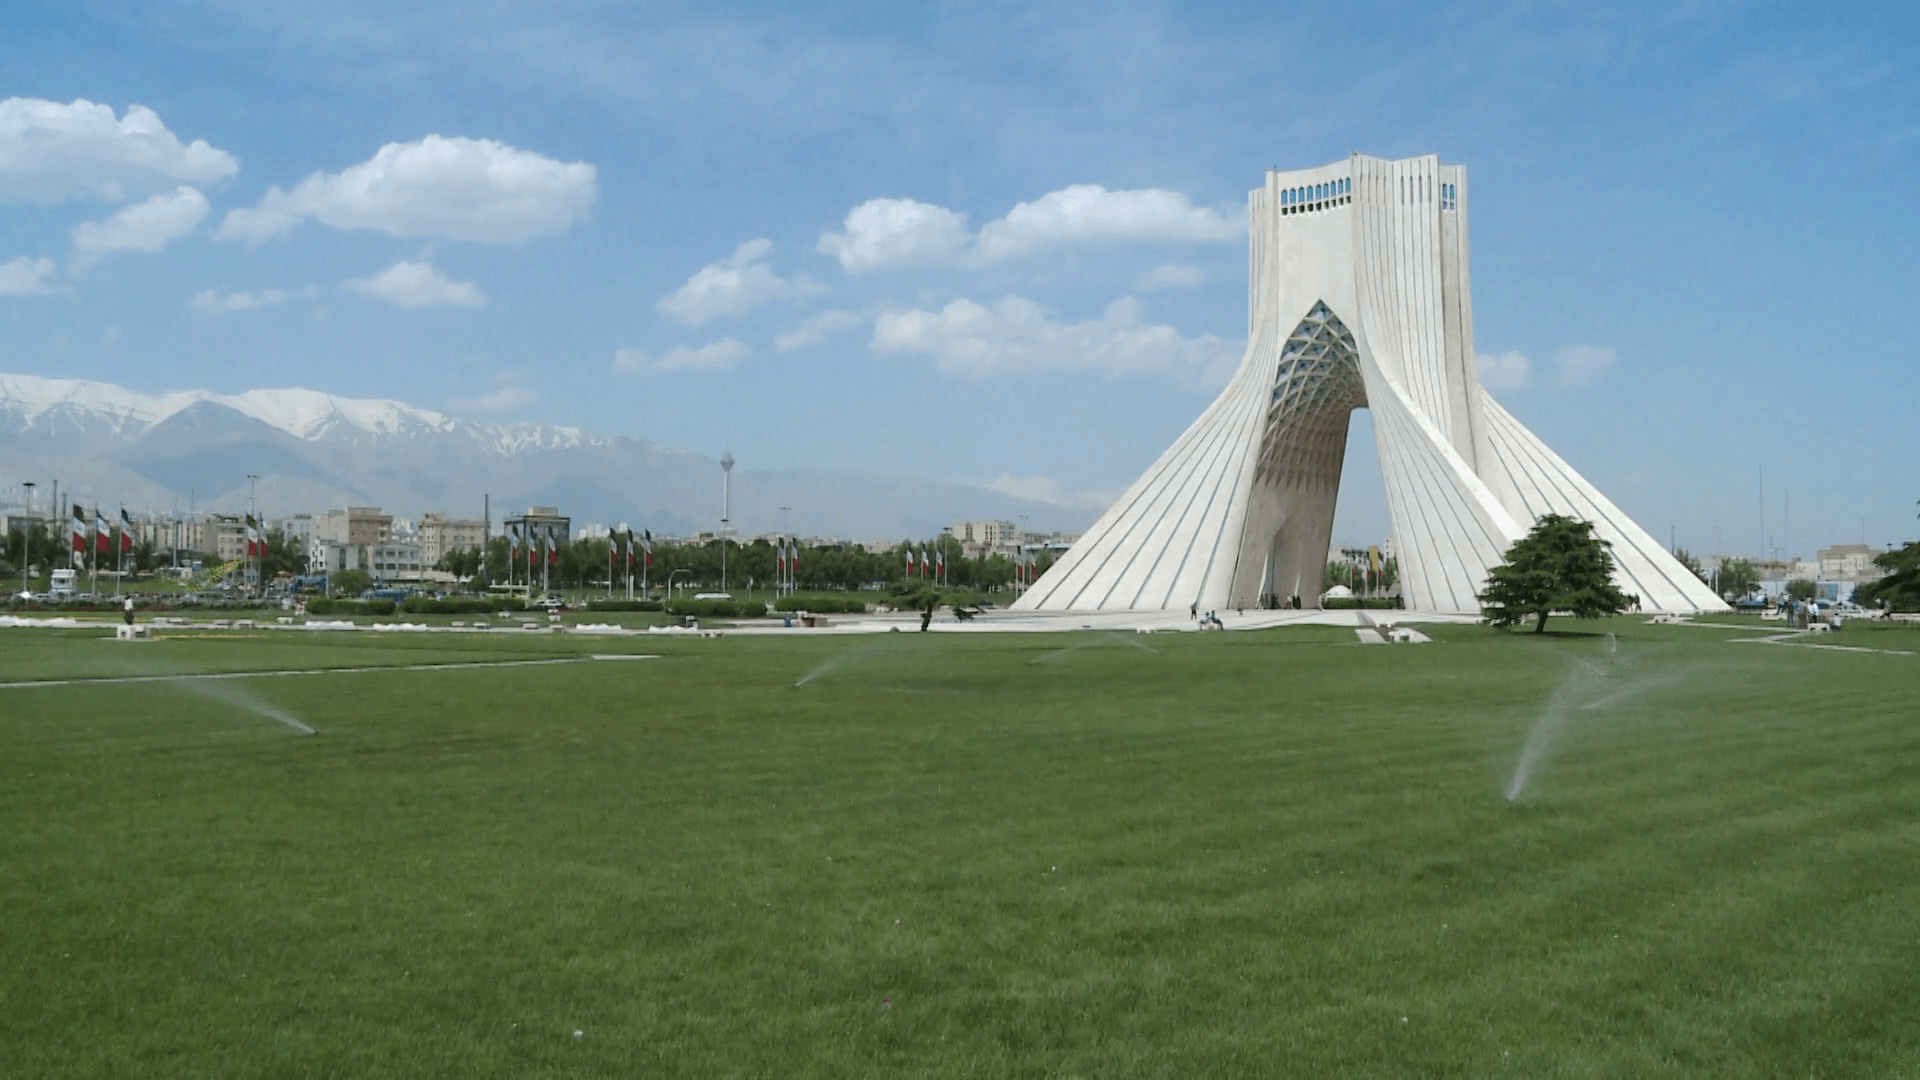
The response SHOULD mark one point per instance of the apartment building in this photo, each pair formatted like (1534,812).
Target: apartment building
(437,534)
(395,561)
(355,526)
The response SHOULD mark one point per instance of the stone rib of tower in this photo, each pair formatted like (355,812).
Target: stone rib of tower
(1360,297)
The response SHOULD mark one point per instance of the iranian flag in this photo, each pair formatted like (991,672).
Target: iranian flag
(553,553)
(780,557)
(629,551)
(646,545)
(126,532)
(513,543)
(79,530)
(253,538)
(102,533)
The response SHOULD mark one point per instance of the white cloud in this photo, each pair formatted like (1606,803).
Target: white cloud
(733,286)
(1015,336)
(816,328)
(457,188)
(1089,213)
(1509,370)
(896,232)
(1581,364)
(145,226)
(1041,489)
(507,394)
(25,277)
(722,355)
(50,151)
(902,232)
(212,302)
(416,285)
(255,227)
(1170,276)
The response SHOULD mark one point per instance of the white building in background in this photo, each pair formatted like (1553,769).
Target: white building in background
(1360,298)
(1848,562)
(396,560)
(228,533)
(986,537)
(354,525)
(438,534)
(331,557)
(297,528)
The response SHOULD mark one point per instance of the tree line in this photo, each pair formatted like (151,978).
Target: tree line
(584,564)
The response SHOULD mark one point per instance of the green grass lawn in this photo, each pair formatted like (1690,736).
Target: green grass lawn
(1277,853)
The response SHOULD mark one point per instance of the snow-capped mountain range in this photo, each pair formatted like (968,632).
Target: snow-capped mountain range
(308,451)
(30,402)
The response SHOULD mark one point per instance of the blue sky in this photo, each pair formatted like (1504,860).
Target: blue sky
(822,235)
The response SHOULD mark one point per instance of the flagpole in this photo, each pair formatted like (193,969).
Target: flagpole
(253,524)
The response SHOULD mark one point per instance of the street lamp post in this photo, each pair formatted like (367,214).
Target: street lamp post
(670,577)
(26,542)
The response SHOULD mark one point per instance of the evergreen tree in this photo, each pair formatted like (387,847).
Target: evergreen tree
(1558,566)
(1738,577)
(1692,563)
(1900,589)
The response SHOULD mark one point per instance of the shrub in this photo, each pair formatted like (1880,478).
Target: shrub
(624,605)
(1348,603)
(718,609)
(324,606)
(454,605)
(822,605)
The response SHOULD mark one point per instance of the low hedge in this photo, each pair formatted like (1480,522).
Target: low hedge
(623,605)
(455,605)
(718,609)
(324,606)
(822,605)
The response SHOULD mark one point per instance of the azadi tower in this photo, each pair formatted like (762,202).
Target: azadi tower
(1361,299)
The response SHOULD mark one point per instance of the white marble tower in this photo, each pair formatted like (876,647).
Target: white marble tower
(1360,298)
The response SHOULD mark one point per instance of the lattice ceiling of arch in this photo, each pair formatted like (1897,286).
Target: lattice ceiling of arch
(1315,386)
